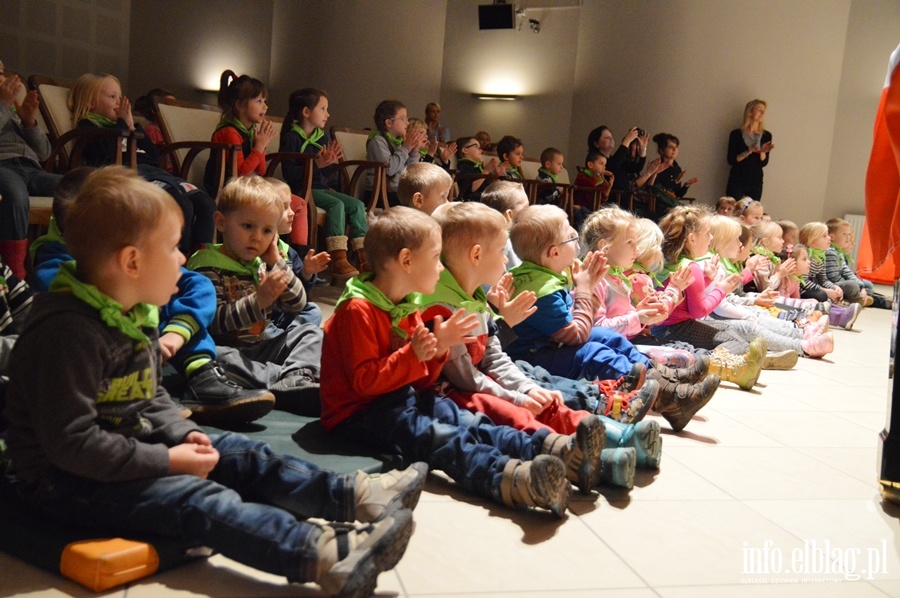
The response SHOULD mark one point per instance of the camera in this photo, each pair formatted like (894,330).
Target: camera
(641,132)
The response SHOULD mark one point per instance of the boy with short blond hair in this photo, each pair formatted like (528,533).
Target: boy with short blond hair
(552,164)
(95,440)
(479,376)
(424,186)
(508,198)
(560,335)
(380,364)
(251,278)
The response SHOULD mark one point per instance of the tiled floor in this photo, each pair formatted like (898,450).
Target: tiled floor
(780,472)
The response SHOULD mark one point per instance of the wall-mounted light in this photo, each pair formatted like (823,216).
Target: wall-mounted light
(495,96)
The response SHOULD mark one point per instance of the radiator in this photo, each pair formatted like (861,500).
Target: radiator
(856,225)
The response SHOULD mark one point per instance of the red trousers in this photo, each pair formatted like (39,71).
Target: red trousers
(558,418)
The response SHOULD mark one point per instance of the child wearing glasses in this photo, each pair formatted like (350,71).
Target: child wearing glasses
(470,166)
(561,337)
(394,143)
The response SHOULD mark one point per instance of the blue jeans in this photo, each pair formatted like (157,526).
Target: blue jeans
(20,178)
(606,355)
(251,509)
(467,446)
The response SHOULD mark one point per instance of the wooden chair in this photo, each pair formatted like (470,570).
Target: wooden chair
(354,166)
(187,129)
(68,142)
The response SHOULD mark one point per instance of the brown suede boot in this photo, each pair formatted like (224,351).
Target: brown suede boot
(678,402)
(539,483)
(357,245)
(341,269)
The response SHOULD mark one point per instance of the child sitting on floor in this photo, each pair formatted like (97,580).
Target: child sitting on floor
(380,362)
(251,277)
(95,440)
(816,285)
(725,205)
(424,187)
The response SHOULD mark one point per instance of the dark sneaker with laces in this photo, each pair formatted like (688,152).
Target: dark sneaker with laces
(298,393)
(214,399)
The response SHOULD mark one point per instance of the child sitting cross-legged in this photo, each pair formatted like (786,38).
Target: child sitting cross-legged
(424,187)
(380,364)
(95,440)
(561,337)
(479,376)
(816,285)
(250,278)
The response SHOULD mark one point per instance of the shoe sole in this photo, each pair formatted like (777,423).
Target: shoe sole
(407,498)
(619,466)
(782,360)
(687,414)
(590,438)
(363,568)
(648,444)
(651,390)
(236,413)
(549,485)
(849,325)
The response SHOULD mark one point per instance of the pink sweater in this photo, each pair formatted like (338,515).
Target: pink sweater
(698,303)
(615,310)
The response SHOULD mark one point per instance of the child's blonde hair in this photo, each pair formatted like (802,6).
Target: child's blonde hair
(393,230)
(249,192)
(609,224)
(649,245)
(764,229)
(676,226)
(724,230)
(741,207)
(282,189)
(115,208)
(726,201)
(85,94)
(799,248)
(468,223)
(787,225)
(503,195)
(421,177)
(535,229)
(811,231)
(416,123)
(834,224)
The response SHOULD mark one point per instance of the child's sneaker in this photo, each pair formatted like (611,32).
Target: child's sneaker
(780,360)
(380,494)
(818,346)
(681,401)
(214,399)
(643,437)
(618,466)
(539,483)
(351,556)
(844,317)
(626,407)
(580,452)
(693,374)
(298,393)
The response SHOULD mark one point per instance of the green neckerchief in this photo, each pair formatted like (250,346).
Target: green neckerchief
(760,250)
(592,174)
(54,235)
(619,273)
(283,247)
(657,283)
(730,266)
(843,254)
(478,165)
(528,276)
(360,287)
(683,260)
(233,122)
(514,170)
(111,313)
(449,292)
(797,277)
(100,121)
(311,139)
(395,141)
(423,152)
(552,176)
(211,256)
(816,255)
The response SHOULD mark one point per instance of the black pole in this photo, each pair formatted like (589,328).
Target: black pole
(889,447)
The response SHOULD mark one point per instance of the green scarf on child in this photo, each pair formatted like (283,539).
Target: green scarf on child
(548,174)
(816,255)
(730,266)
(54,235)
(311,139)
(619,273)
(211,256)
(760,250)
(478,165)
(847,259)
(529,276)
(233,122)
(361,287)
(449,292)
(657,283)
(100,121)
(514,171)
(129,324)
(395,141)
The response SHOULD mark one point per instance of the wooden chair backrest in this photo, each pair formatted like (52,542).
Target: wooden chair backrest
(54,98)
(186,121)
(353,143)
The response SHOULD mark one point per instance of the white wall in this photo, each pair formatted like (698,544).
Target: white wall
(539,68)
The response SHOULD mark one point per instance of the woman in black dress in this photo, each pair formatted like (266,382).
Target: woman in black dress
(748,153)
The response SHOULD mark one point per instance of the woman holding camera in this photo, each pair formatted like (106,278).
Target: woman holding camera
(627,162)
(748,153)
